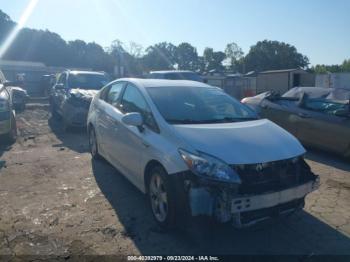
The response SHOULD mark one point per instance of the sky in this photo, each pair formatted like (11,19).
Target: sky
(319,29)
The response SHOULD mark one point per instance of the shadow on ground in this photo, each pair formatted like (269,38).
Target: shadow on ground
(75,138)
(328,159)
(301,234)
(4,146)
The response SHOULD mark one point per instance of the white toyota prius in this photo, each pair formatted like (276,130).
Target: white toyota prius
(196,151)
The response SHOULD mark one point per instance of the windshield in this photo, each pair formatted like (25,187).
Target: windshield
(87,81)
(198,105)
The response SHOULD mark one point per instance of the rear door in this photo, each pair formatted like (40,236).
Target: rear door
(108,115)
(318,126)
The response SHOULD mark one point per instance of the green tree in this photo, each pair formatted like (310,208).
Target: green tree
(186,57)
(160,56)
(213,60)
(322,69)
(234,54)
(273,55)
(122,59)
(39,45)
(346,65)
(6,24)
(135,49)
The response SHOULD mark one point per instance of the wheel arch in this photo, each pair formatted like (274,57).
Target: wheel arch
(147,171)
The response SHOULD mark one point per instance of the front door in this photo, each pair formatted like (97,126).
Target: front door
(132,143)
(280,111)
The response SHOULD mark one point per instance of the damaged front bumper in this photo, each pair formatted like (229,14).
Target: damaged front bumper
(228,203)
(75,116)
(5,122)
(249,203)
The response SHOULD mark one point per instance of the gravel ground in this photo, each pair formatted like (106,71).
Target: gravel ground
(56,201)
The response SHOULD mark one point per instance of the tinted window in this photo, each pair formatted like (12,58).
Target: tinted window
(87,81)
(113,93)
(188,105)
(133,101)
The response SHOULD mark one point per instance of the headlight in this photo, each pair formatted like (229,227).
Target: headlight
(210,167)
(4,105)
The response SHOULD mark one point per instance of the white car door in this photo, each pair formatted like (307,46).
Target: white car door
(129,143)
(108,116)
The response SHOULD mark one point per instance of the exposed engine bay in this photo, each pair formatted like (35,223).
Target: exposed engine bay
(267,190)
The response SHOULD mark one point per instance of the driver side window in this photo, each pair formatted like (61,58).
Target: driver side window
(133,101)
(113,93)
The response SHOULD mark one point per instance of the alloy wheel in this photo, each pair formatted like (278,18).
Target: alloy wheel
(159,200)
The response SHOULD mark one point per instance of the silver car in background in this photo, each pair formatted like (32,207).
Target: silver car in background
(195,151)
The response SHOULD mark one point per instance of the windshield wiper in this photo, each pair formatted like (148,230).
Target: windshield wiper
(210,121)
(233,119)
(185,121)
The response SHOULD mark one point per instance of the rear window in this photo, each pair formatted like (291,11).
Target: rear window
(87,81)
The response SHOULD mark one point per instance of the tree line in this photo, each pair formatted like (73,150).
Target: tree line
(49,48)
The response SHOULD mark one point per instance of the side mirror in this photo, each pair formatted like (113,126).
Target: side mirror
(59,86)
(133,119)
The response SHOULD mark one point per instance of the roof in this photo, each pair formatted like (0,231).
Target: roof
(281,71)
(163,82)
(86,72)
(21,63)
(171,71)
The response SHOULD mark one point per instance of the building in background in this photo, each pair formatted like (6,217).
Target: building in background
(33,75)
(236,85)
(30,73)
(281,81)
(333,80)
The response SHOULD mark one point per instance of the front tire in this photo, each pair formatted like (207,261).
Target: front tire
(161,196)
(11,137)
(54,113)
(65,124)
(93,144)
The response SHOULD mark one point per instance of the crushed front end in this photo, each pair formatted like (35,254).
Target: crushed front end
(75,110)
(266,190)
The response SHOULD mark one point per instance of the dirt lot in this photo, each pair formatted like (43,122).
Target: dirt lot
(55,201)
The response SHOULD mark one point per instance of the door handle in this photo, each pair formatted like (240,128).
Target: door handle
(303,115)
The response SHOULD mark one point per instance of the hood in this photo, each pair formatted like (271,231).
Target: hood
(248,142)
(83,93)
